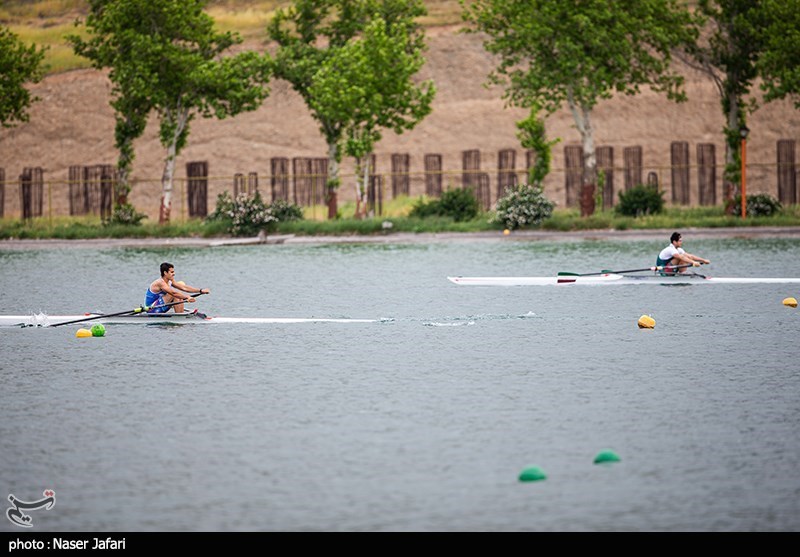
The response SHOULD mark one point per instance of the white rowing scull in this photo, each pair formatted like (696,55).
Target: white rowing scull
(615,278)
(43,320)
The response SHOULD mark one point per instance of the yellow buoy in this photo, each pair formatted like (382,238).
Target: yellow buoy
(83,333)
(506,232)
(646,322)
(790,302)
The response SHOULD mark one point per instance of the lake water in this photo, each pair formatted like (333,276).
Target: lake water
(421,421)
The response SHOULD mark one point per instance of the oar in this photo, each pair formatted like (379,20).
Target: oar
(656,268)
(140,309)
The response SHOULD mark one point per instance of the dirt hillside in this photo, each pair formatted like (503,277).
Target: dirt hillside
(73,125)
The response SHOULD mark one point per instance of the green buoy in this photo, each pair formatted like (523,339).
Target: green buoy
(98,330)
(532,474)
(605,456)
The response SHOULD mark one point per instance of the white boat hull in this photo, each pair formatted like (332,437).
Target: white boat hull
(611,278)
(42,320)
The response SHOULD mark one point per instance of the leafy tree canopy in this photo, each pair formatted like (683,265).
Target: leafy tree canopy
(19,64)
(586,50)
(780,61)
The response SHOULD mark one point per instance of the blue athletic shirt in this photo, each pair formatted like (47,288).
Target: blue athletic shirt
(155,301)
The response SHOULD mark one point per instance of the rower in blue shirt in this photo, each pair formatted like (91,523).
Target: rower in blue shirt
(165,290)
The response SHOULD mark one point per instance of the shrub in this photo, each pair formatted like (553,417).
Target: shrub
(458,204)
(758,205)
(422,209)
(284,211)
(243,216)
(523,205)
(640,200)
(125,214)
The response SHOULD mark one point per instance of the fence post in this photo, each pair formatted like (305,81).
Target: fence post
(2,191)
(605,164)
(679,153)
(632,159)
(787,174)
(197,188)
(707,173)
(433,175)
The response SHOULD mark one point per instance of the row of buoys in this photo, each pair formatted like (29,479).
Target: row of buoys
(96,331)
(536,474)
(647,322)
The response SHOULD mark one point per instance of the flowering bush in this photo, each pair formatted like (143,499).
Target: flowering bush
(245,215)
(523,205)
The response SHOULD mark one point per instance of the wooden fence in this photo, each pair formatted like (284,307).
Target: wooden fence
(302,180)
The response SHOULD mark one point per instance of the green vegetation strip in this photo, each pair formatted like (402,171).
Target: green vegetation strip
(562,220)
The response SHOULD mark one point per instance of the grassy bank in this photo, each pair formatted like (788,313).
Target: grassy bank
(392,221)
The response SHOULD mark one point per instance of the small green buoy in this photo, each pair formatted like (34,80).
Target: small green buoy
(605,456)
(98,330)
(532,474)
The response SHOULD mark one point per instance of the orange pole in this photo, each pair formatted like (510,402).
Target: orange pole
(744,178)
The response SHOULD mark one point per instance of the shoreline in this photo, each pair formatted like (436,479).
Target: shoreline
(408,238)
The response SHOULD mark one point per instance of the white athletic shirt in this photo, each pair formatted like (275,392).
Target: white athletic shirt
(669,252)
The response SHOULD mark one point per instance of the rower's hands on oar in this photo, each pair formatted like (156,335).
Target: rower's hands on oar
(191,299)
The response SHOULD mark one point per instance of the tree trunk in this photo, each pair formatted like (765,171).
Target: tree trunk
(122,187)
(169,168)
(587,199)
(583,121)
(333,180)
(332,206)
(729,186)
(361,188)
(166,187)
(124,163)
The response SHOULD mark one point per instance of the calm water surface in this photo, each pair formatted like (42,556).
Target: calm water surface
(421,421)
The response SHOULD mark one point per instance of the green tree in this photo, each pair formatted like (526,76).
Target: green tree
(310,33)
(366,86)
(19,64)
(727,51)
(166,56)
(532,135)
(581,52)
(111,43)
(779,64)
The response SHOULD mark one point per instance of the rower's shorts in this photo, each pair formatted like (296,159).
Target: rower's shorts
(158,306)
